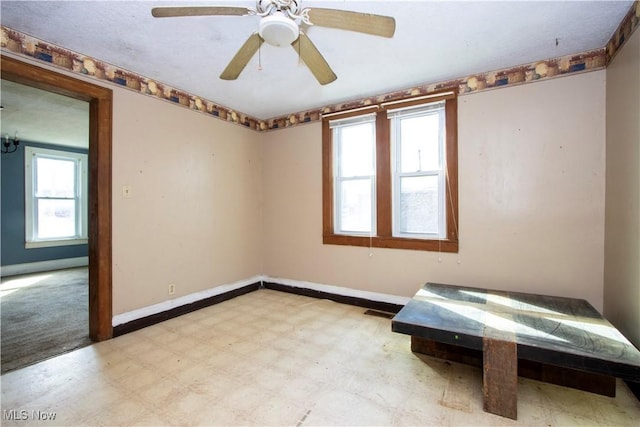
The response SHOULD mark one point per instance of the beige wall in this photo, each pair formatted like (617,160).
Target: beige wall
(622,231)
(194,218)
(214,203)
(531,200)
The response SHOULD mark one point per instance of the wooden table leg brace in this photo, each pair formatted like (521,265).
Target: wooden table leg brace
(500,377)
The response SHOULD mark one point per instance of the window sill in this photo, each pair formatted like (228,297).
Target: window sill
(392,243)
(53,243)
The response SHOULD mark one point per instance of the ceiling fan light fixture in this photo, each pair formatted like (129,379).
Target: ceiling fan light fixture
(279,26)
(278,30)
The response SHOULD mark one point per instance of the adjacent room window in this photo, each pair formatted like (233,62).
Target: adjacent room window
(390,175)
(55,197)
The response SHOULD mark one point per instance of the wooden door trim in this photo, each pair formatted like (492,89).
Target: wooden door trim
(100,132)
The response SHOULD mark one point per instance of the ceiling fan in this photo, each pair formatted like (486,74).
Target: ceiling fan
(279,25)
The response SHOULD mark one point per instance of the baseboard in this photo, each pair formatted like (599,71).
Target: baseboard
(37,267)
(147,316)
(143,322)
(373,300)
(183,300)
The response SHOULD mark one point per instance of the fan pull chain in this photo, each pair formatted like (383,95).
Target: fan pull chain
(299,48)
(259,49)
(455,223)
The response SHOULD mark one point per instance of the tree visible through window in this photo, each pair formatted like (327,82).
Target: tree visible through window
(55,197)
(390,175)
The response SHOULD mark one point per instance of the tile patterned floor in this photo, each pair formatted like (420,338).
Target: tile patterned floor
(272,358)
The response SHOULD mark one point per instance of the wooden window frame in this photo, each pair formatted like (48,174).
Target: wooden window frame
(384,237)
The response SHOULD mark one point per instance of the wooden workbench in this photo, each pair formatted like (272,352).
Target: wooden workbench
(560,340)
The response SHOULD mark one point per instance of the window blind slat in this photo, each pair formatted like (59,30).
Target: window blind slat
(414,110)
(349,121)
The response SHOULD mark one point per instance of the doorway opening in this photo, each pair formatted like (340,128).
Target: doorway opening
(100,101)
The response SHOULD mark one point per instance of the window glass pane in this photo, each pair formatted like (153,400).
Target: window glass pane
(355,206)
(356,150)
(56,218)
(55,177)
(419,138)
(418,204)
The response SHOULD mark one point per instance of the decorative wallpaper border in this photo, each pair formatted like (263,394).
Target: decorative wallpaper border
(629,24)
(32,47)
(535,71)
(26,45)
(540,70)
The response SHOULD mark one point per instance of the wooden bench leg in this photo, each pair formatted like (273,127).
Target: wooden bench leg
(500,377)
(580,380)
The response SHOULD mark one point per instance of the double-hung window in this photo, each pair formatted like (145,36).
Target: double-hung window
(55,197)
(390,175)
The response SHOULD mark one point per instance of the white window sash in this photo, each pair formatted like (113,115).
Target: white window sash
(335,126)
(441,207)
(339,228)
(396,115)
(415,110)
(350,121)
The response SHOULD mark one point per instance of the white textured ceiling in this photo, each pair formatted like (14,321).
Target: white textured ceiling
(435,41)
(40,116)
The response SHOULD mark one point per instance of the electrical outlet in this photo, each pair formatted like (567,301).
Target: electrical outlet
(172,289)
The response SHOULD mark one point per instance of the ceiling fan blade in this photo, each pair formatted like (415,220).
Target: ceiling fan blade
(367,23)
(242,57)
(170,12)
(314,59)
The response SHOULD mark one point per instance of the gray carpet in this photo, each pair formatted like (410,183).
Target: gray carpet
(43,315)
